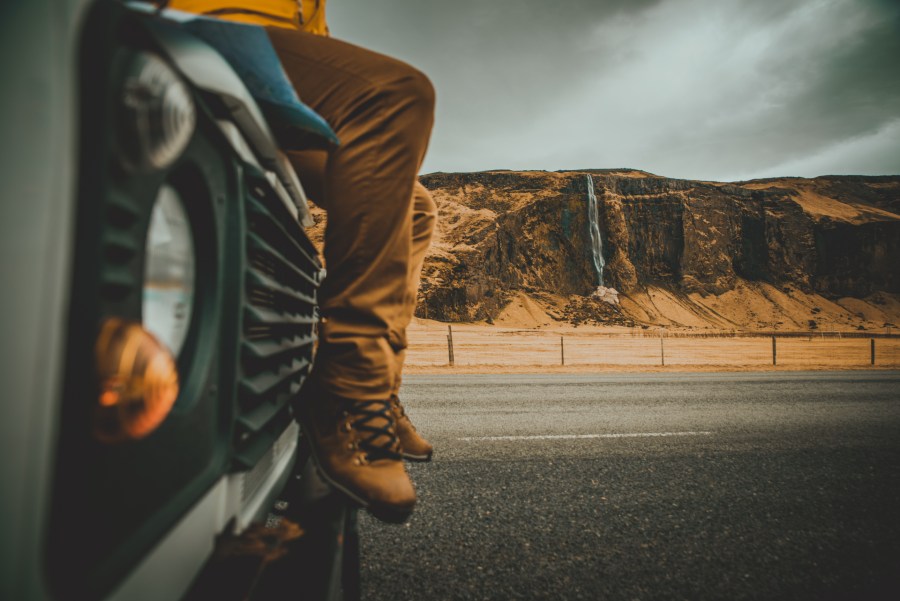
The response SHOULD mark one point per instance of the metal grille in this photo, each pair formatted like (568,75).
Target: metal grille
(279,316)
(120,248)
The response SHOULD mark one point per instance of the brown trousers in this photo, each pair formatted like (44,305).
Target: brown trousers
(380,219)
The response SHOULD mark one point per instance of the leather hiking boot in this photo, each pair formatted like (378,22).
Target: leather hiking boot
(354,445)
(412,446)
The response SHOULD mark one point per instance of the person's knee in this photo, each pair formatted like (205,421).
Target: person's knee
(412,93)
(422,91)
(423,201)
(425,210)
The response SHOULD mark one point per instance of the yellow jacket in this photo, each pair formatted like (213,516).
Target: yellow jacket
(308,15)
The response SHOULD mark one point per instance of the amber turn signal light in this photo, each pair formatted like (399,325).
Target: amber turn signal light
(138,382)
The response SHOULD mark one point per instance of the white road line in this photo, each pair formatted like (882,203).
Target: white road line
(586,436)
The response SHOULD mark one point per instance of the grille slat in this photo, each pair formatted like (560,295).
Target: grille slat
(277,301)
(266,383)
(256,419)
(120,246)
(117,282)
(259,247)
(266,349)
(281,354)
(261,280)
(122,211)
(256,316)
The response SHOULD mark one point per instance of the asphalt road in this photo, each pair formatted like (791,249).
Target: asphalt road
(658,486)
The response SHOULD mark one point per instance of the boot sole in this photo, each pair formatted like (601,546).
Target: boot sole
(385,513)
(417,458)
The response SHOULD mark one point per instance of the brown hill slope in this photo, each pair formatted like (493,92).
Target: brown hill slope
(790,253)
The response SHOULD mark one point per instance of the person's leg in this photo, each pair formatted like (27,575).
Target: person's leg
(382,111)
(413,446)
(423,222)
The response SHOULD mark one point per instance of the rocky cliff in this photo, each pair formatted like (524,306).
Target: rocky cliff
(787,252)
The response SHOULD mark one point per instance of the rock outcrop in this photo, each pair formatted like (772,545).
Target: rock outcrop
(505,233)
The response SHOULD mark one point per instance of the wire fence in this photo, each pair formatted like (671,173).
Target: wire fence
(474,346)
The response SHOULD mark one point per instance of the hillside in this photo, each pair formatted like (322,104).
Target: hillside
(788,253)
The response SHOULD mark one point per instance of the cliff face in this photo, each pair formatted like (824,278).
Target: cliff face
(506,233)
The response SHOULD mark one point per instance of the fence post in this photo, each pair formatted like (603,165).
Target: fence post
(450,344)
(774,352)
(873,351)
(562,350)
(662,351)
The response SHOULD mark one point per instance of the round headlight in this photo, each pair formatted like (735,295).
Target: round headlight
(157,114)
(169,276)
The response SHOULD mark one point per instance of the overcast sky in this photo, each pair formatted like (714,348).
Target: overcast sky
(701,89)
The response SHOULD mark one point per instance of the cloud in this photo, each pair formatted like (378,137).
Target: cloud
(687,88)
(872,154)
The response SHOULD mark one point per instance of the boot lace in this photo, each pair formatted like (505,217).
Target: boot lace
(381,441)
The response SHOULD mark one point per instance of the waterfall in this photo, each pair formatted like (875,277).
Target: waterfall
(596,240)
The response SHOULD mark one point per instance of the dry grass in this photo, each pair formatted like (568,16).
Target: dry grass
(487,349)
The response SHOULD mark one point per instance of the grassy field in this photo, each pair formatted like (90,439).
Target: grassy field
(492,349)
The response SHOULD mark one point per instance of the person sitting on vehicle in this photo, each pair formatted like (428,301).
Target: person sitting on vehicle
(380,221)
